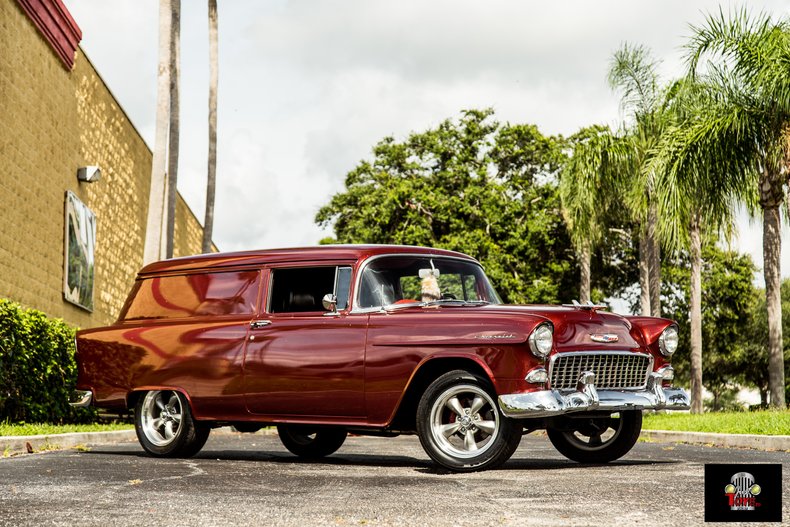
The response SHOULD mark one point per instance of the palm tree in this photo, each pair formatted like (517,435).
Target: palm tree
(634,74)
(172,149)
(696,190)
(155,243)
(747,60)
(588,184)
(208,223)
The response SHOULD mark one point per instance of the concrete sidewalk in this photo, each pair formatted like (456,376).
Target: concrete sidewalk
(19,444)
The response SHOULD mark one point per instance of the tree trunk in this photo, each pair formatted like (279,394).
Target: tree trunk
(695,312)
(644,276)
(208,223)
(172,149)
(154,230)
(772,247)
(585,255)
(654,252)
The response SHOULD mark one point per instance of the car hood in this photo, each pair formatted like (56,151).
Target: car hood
(578,329)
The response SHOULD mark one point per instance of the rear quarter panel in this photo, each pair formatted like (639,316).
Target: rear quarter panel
(201,358)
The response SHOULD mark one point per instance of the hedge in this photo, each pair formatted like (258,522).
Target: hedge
(37,368)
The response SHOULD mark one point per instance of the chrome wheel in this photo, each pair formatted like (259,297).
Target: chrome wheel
(160,415)
(459,424)
(464,421)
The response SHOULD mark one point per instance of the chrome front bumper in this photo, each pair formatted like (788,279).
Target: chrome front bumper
(80,398)
(547,403)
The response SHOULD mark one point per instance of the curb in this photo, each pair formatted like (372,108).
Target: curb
(753,441)
(18,444)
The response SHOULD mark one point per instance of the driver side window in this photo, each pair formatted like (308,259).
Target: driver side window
(302,289)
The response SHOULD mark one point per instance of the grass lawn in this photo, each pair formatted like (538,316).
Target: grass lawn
(765,422)
(30,429)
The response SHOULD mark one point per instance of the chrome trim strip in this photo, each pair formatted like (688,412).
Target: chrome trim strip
(380,309)
(80,398)
(548,403)
(650,359)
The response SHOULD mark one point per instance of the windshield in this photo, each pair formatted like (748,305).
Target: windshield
(404,280)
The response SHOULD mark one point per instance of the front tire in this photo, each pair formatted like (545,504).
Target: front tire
(599,439)
(460,426)
(165,427)
(311,442)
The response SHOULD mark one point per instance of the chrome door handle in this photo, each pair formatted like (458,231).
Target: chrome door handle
(259,324)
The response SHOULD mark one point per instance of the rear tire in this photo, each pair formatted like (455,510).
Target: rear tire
(310,441)
(599,440)
(165,427)
(460,425)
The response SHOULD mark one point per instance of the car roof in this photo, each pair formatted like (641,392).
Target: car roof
(291,254)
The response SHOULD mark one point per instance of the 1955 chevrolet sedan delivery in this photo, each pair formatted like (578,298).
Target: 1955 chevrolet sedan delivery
(377,340)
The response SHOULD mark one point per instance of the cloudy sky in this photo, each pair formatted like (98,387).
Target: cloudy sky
(307,88)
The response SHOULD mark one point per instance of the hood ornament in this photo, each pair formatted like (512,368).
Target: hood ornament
(606,338)
(588,305)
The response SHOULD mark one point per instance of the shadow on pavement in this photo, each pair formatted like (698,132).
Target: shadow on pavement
(420,465)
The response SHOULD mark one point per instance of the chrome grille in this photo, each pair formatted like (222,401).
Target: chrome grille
(613,371)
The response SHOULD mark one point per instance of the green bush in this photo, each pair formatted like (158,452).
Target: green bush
(37,368)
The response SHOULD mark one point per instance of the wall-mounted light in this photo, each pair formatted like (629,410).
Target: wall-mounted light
(89,174)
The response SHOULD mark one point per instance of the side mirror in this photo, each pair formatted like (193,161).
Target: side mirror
(329,302)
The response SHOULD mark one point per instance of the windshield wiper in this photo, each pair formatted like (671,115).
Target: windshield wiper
(440,302)
(457,301)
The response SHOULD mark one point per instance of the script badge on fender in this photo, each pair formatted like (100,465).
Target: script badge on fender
(606,338)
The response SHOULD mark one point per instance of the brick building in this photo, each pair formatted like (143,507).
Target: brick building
(56,116)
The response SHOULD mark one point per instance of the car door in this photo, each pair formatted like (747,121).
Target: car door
(301,359)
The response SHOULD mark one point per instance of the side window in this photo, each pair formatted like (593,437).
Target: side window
(198,294)
(300,290)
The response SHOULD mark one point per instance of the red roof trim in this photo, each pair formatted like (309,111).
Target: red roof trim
(56,25)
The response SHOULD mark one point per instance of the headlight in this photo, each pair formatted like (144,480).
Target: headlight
(541,340)
(668,341)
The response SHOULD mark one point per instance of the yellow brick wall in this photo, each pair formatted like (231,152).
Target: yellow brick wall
(53,121)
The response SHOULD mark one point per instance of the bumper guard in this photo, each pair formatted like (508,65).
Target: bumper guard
(547,403)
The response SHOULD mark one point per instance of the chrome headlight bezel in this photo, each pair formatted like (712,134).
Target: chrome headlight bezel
(668,340)
(538,343)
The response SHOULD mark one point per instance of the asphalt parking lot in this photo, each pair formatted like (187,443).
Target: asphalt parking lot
(247,479)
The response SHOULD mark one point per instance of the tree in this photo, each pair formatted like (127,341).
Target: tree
(589,190)
(633,72)
(696,191)
(471,185)
(730,299)
(208,223)
(175,124)
(746,63)
(753,360)
(155,235)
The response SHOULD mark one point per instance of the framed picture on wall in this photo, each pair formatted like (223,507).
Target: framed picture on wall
(80,246)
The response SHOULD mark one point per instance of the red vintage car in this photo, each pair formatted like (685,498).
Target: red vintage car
(377,340)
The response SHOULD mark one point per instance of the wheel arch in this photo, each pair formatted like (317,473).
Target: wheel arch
(134,395)
(430,369)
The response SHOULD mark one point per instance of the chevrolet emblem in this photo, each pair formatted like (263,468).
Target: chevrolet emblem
(606,338)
